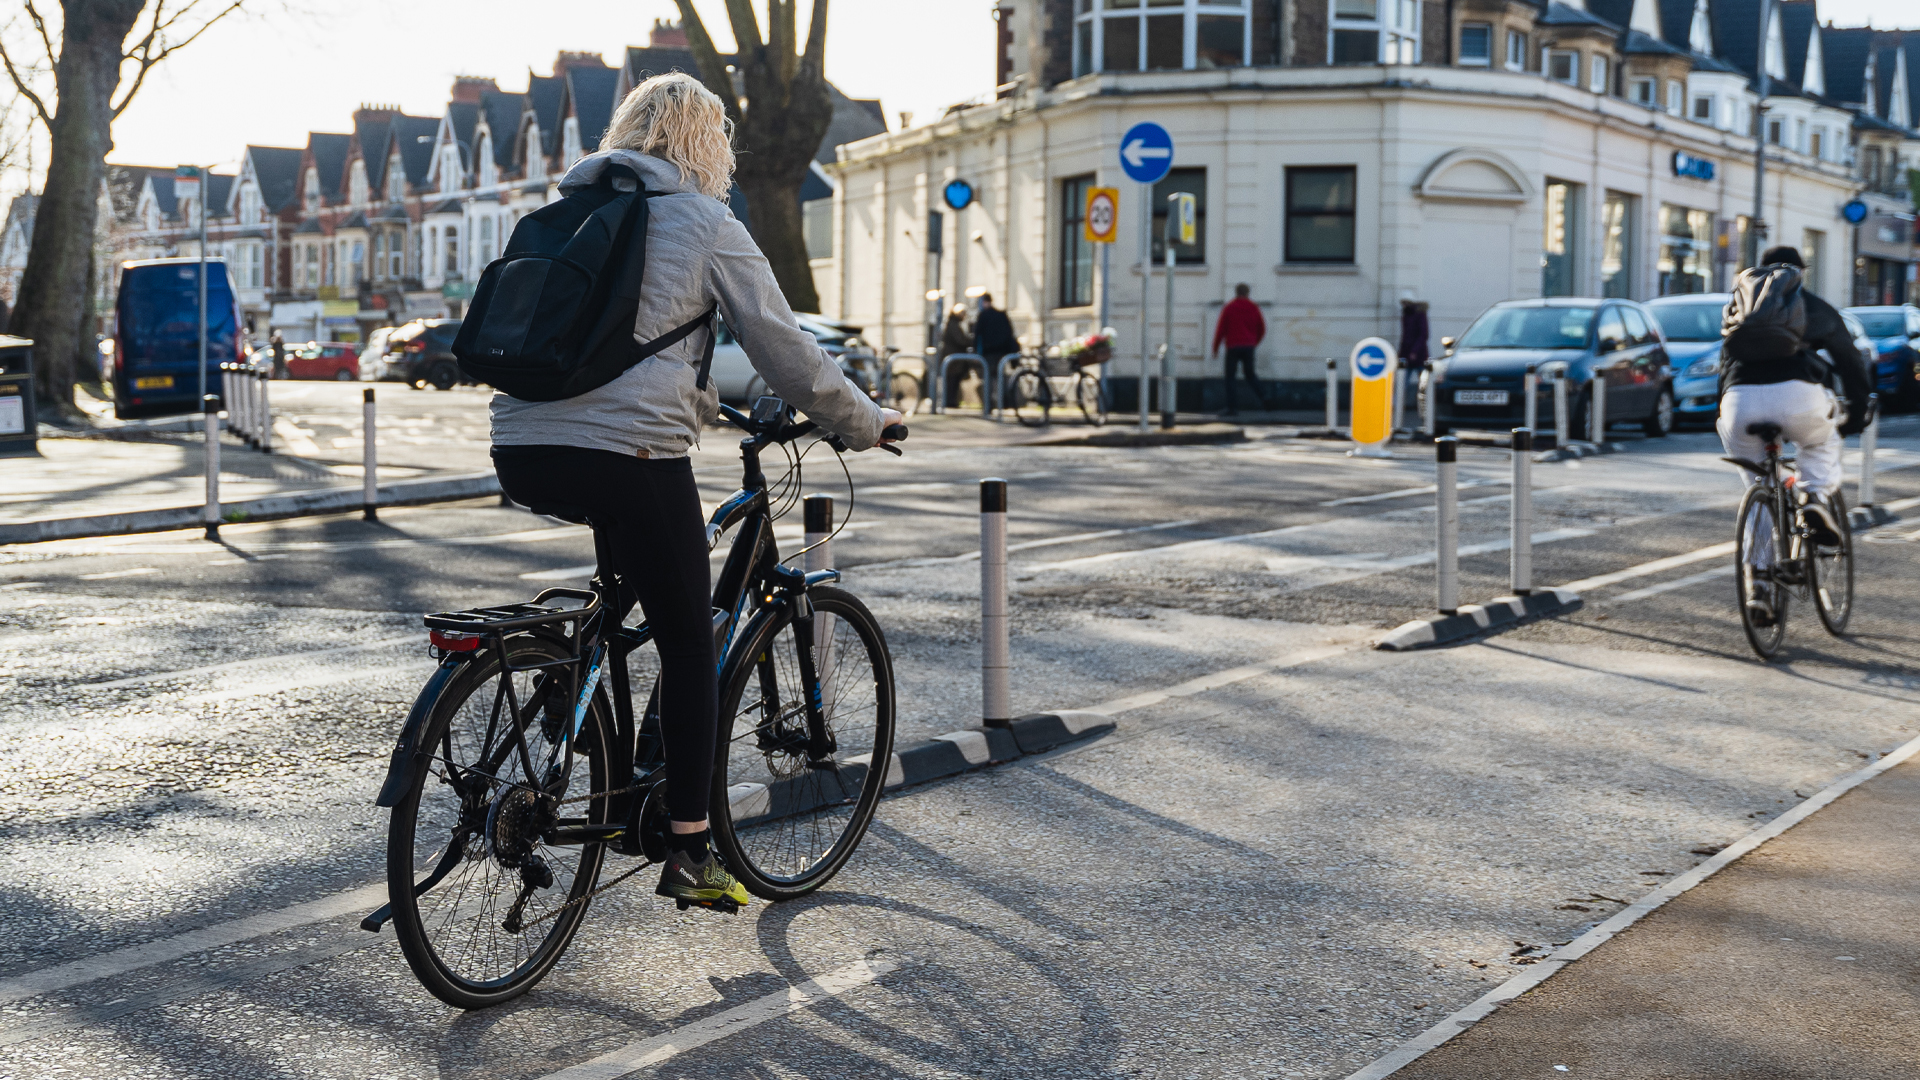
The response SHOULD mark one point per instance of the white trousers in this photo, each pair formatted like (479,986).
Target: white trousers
(1806,415)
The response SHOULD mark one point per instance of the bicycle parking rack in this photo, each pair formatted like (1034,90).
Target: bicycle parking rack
(990,389)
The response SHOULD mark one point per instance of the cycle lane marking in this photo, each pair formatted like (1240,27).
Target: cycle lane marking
(1051,541)
(781,1003)
(239,665)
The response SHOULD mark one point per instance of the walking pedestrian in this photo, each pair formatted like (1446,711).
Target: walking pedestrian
(955,337)
(1241,328)
(278,345)
(992,336)
(1413,333)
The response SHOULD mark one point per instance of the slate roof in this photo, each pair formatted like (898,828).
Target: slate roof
(219,190)
(1798,22)
(21,212)
(1736,29)
(1558,14)
(1617,12)
(1639,44)
(393,212)
(1845,52)
(1676,22)
(370,136)
(1910,44)
(162,181)
(309,227)
(503,123)
(357,221)
(413,135)
(1885,62)
(330,159)
(591,90)
(277,168)
(462,116)
(124,184)
(852,121)
(644,63)
(543,100)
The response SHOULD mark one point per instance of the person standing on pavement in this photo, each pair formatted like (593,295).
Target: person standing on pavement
(1241,328)
(278,346)
(1413,334)
(992,335)
(955,337)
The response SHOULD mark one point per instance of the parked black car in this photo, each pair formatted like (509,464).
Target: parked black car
(1479,382)
(420,354)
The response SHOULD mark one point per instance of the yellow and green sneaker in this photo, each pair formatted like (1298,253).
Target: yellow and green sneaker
(703,882)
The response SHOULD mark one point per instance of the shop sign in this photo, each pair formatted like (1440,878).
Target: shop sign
(1685,164)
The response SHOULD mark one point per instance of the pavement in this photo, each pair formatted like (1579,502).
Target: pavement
(1293,853)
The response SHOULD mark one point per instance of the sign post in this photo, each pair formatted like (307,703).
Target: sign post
(1181,215)
(1373,362)
(1102,225)
(1146,153)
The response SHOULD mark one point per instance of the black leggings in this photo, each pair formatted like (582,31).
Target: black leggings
(649,514)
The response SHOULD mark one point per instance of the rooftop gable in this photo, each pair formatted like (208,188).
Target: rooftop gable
(277,170)
(1844,53)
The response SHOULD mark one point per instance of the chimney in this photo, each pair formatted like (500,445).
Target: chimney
(374,112)
(567,61)
(467,88)
(667,35)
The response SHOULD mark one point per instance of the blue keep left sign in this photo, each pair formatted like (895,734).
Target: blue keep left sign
(1146,153)
(1370,361)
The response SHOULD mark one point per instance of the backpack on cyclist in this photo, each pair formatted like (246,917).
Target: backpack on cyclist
(553,316)
(1767,317)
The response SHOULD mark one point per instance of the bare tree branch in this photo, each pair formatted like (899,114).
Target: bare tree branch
(46,39)
(780,43)
(147,57)
(816,55)
(746,26)
(20,84)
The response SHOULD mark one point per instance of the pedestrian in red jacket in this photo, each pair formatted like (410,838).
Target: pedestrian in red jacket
(1241,329)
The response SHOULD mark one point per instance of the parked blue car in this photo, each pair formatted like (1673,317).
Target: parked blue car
(1895,332)
(1691,325)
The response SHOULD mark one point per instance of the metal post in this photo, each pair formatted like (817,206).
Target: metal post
(1562,434)
(1399,397)
(996,708)
(1106,284)
(369,458)
(210,421)
(1764,87)
(1447,525)
(1522,512)
(1169,390)
(1597,410)
(1333,396)
(1427,396)
(240,405)
(266,410)
(817,512)
(1146,282)
(203,282)
(1869,442)
(1531,387)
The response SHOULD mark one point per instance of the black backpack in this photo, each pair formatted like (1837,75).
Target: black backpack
(1767,317)
(553,316)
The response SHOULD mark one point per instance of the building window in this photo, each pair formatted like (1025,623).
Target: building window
(1159,35)
(1800,135)
(1476,44)
(452,243)
(1598,81)
(1076,254)
(1516,51)
(1703,109)
(312,279)
(1686,250)
(484,252)
(1320,202)
(1559,260)
(396,254)
(1676,98)
(816,221)
(1356,32)
(1564,67)
(1813,251)
(1641,92)
(1818,146)
(353,266)
(1773,132)
(1616,244)
(1181,181)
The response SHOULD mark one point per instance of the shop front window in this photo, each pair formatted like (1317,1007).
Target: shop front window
(1159,35)
(1559,260)
(1686,249)
(1616,245)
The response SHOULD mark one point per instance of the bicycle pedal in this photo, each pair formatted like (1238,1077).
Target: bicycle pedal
(726,905)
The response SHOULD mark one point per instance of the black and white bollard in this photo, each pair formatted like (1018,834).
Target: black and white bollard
(1333,395)
(1427,395)
(1530,386)
(1521,514)
(1446,452)
(996,708)
(1399,397)
(369,459)
(210,420)
(1561,433)
(1597,428)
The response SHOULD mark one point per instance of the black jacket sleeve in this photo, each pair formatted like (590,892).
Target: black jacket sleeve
(1826,330)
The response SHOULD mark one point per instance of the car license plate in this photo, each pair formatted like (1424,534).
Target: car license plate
(154,382)
(1479,397)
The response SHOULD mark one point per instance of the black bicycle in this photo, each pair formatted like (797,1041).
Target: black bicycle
(518,773)
(1776,556)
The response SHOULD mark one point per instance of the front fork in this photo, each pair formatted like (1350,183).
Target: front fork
(806,620)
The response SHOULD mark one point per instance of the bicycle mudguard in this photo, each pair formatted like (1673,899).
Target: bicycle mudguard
(1755,468)
(408,759)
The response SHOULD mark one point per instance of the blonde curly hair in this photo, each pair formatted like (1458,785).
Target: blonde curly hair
(674,118)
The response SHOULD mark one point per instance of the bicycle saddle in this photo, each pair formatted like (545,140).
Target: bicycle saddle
(1764,430)
(563,511)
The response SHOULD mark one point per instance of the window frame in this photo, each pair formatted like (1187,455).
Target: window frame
(1288,213)
(1484,60)
(1651,99)
(1076,252)
(1516,56)
(1599,74)
(1676,98)
(1702,99)
(1089,50)
(1571,56)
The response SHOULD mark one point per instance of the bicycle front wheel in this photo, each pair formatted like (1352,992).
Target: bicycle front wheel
(784,823)
(483,905)
(1031,397)
(1758,568)
(1090,398)
(1831,574)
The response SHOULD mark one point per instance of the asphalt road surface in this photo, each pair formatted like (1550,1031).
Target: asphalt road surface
(1279,874)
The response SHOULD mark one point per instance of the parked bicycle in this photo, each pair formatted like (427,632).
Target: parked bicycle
(520,769)
(1038,382)
(1776,556)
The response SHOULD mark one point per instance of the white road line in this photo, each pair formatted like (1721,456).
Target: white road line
(1669,586)
(647,1052)
(1221,678)
(576,573)
(1421,1044)
(1601,581)
(132,957)
(1353,500)
(1050,541)
(524,536)
(565,573)
(258,661)
(1345,562)
(132,572)
(331,678)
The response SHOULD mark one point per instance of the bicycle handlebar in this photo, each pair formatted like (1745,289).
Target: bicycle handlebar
(779,431)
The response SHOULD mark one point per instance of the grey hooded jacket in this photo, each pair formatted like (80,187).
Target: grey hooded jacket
(698,254)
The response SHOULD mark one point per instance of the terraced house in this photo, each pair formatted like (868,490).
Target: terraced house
(1348,154)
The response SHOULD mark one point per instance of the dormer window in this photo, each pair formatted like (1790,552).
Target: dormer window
(396,179)
(1703,109)
(1640,92)
(312,198)
(1516,51)
(1676,98)
(1476,45)
(1160,35)
(1563,66)
(1599,75)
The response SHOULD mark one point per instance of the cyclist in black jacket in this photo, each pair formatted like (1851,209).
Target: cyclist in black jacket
(1790,389)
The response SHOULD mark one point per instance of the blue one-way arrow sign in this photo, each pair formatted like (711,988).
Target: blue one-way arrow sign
(1146,153)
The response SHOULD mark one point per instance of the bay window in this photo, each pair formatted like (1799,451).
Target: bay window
(1160,35)
(1476,44)
(1375,32)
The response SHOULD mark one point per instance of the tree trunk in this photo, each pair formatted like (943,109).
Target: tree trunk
(773,204)
(54,304)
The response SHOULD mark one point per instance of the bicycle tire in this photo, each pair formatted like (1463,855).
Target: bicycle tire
(1091,399)
(1830,575)
(784,827)
(905,394)
(441,931)
(1757,517)
(1031,397)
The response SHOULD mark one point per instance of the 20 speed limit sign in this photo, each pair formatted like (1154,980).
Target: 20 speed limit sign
(1103,215)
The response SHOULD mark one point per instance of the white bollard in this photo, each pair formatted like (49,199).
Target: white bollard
(265,379)
(1561,433)
(369,458)
(1530,386)
(1869,442)
(210,427)
(1399,397)
(1521,515)
(1427,396)
(996,707)
(817,512)
(1597,429)
(1333,396)
(1446,451)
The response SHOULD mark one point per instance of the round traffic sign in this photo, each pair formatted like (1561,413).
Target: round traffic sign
(1372,358)
(1146,153)
(959,194)
(1103,217)
(1855,212)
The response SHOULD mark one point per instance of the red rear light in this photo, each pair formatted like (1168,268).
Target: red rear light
(454,640)
(416,346)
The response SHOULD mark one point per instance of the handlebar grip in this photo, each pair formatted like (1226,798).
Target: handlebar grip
(897,432)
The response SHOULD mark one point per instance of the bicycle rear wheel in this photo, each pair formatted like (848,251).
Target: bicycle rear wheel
(470,828)
(1758,540)
(783,824)
(1830,574)
(1092,401)
(1030,397)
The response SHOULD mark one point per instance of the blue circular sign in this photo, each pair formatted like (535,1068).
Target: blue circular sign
(1855,212)
(1146,153)
(959,194)
(1370,361)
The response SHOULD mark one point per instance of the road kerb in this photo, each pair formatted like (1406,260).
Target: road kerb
(1484,1006)
(1473,620)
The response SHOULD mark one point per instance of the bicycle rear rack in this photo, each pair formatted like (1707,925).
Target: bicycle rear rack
(496,620)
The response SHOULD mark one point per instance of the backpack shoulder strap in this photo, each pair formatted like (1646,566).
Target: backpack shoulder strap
(678,334)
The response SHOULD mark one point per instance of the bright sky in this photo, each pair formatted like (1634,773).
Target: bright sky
(291,66)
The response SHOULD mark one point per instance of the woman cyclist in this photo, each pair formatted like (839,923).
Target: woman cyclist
(620,452)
